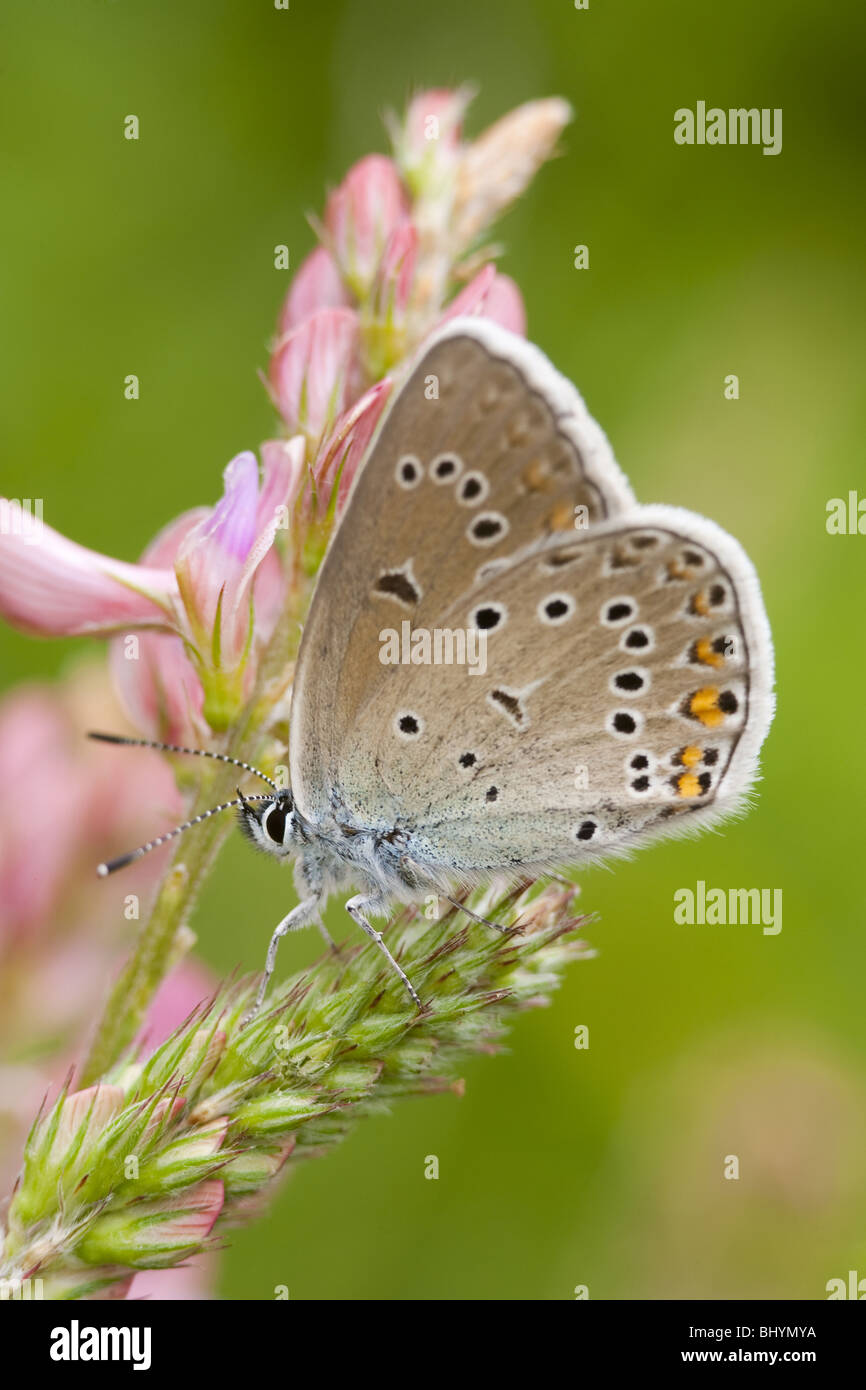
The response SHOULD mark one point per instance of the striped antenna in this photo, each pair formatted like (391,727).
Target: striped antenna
(121,862)
(173,748)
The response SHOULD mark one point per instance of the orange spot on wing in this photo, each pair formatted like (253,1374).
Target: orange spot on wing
(700,604)
(691,756)
(536,475)
(704,705)
(688,785)
(704,652)
(561,518)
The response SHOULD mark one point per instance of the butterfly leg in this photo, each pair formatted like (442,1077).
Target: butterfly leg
(326,937)
(558,878)
(485,922)
(299,917)
(356,907)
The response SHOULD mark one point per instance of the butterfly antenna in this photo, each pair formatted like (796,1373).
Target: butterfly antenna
(122,860)
(173,748)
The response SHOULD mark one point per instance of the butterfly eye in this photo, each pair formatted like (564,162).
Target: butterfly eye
(275,824)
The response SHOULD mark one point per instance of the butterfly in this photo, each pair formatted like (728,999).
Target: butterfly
(626,685)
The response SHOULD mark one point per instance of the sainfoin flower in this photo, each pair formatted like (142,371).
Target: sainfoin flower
(317,285)
(206,595)
(427,143)
(48,891)
(396,260)
(59,933)
(218,588)
(360,217)
(209,1108)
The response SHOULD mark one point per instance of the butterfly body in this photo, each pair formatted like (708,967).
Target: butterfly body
(331,852)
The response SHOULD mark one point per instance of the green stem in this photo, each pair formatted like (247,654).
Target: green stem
(156,949)
(154,952)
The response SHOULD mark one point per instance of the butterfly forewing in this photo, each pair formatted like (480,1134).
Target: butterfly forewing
(485,453)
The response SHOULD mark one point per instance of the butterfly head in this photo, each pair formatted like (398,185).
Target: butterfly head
(269,825)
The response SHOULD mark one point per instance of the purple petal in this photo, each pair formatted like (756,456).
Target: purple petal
(232,524)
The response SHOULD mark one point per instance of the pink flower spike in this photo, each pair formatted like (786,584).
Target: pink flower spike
(314,371)
(494,297)
(317,285)
(346,447)
(156,683)
(427,143)
(393,284)
(471,298)
(496,168)
(184,1219)
(434,118)
(360,216)
(53,587)
(158,687)
(218,558)
(503,303)
(94,1107)
(212,554)
(35,760)
(274,451)
(191,1281)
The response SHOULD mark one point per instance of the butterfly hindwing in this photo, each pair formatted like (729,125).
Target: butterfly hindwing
(627,690)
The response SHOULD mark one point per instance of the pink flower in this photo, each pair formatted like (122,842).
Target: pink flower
(46,760)
(341,454)
(427,143)
(393,284)
(338,457)
(496,168)
(95,1107)
(218,559)
(503,303)
(158,686)
(434,118)
(314,371)
(60,934)
(216,567)
(317,285)
(492,296)
(160,1233)
(361,215)
(50,585)
(192,1280)
(185,1219)
(34,764)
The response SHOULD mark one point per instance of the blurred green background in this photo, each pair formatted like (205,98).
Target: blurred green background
(559,1167)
